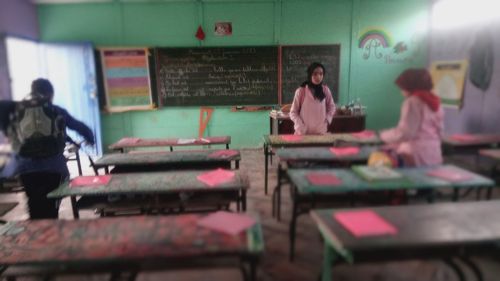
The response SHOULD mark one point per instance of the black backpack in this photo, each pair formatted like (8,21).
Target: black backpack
(37,129)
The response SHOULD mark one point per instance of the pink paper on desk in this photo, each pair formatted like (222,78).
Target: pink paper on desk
(223,153)
(323,179)
(226,222)
(463,137)
(345,151)
(363,223)
(216,139)
(90,181)
(291,137)
(367,134)
(449,175)
(129,141)
(216,177)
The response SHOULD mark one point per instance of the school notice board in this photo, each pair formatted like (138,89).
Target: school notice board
(239,75)
(448,78)
(126,78)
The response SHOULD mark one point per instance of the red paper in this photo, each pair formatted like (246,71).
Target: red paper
(449,175)
(223,153)
(226,222)
(345,151)
(90,181)
(129,141)
(463,137)
(291,137)
(363,223)
(324,179)
(364,134)
(216,177)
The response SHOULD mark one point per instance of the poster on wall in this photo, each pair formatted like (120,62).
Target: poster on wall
(448,78)
(126,79)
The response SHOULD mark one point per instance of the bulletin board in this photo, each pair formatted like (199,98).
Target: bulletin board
(126,79)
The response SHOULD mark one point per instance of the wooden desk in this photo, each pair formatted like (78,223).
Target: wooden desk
(306,196)
(282,124)
(312,157)
(129,244)
(128,143)
(439,231)
(166,192)
(162,161)
(272,142)
(494,156)
(469,143)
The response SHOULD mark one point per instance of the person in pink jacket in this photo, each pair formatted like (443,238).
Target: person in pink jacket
(313,107)
(417,137)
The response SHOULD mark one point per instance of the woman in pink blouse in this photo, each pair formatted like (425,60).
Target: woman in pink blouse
(417,137)
(313,107)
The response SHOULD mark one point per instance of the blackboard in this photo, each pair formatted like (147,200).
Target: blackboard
(296,59)
(217,76)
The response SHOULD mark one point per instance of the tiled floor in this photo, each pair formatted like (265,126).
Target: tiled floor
(275,264)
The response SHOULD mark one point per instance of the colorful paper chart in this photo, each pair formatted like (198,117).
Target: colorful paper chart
(126,77)
(363,223)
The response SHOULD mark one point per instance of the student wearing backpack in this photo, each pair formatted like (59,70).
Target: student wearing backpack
(37,131)
(313,106)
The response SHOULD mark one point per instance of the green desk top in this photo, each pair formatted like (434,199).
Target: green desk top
(125,239)
(151,183)
(420,228)
(413,178)
(148,158)
(322,154)
(328,139)
(140,142)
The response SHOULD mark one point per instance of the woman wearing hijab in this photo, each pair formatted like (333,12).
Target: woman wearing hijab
(417,137)
(313,106)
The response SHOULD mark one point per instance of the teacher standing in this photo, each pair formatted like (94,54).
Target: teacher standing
(313,106)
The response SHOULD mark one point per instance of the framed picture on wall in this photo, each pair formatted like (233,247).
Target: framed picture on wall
(126,79)
(448,78)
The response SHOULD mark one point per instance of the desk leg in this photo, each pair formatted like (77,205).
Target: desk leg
(78,164)
(455,194)
(292,230)
(265,168)
(328,260)
(171,148)
(74,208)
(456,268)
(278,194)
(237,164)
(244,200)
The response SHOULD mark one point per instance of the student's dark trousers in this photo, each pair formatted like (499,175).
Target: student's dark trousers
(37,186)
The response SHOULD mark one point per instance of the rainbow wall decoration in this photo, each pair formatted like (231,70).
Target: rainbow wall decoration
(377,34)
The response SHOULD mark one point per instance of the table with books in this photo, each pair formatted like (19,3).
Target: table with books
(125,246)
(315,188)
(273,142)
(162,161)
(157,192)
(315,157)
(128,143)
(445,231)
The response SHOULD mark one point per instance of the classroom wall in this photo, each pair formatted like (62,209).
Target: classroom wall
(480,110)
(366,72)
(17,17)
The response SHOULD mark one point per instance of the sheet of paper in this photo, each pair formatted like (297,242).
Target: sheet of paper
(185,141)
(226,222)
(216,177)
(323,179)
(449,175)
(90,181)
(362,223)
(345,151)
(291,137)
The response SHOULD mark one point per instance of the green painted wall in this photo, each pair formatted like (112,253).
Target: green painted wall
(257,22)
